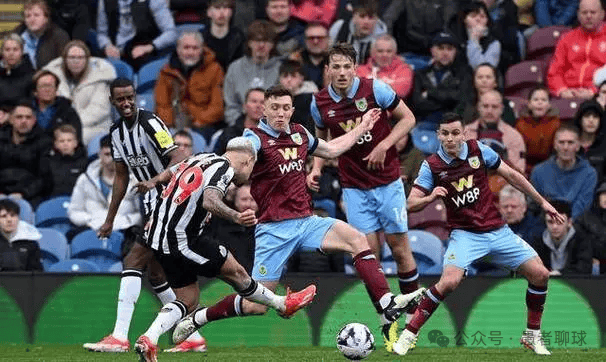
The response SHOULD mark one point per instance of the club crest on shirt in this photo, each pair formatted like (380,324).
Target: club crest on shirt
(296,138)
(474,162)
(361,104)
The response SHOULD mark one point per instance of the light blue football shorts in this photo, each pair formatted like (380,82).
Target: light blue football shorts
(276,241)
(379,208)
(501,245)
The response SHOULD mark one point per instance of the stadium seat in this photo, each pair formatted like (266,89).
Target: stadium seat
(432,219)
(104,253)
(26,212)
(517,104)
(53,213)
(427,250)
(327,205)
(75,266)
(123,69)
(148,74)
(53,247)
(93,146)
(567,107)
(542,43)
(522,77)
(147,101)
(115,267)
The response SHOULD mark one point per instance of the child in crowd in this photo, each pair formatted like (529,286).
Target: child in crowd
(66,160)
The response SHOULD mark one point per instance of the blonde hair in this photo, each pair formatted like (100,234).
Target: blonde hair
(242,144)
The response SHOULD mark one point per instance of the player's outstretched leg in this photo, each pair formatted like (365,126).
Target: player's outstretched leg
(536,294)
(147,344)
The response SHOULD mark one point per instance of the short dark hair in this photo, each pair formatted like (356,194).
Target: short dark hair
(255,89)
(120,82)
(10,206)
(44,72)
(562,206)
(450,117)
(26,102)
(184,133)
(568,127)
(344,49)
(222,3)
(261,30)
(290,66)
(105,141)
(539,87)
(277,91)
(366,7)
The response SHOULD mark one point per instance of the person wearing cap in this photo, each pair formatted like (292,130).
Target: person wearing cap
(440,87)
(592,224)
(188,91)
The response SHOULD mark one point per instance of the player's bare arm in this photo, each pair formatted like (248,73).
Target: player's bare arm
(176,156)
(417,200)
(520,182)
(406,121)
(338,146)
(160,179)
(118,192)
(213,202)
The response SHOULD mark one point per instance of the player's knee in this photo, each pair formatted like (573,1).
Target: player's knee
(540,276)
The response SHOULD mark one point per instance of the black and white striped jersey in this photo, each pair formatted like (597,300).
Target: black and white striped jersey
(178,217)
(144,148)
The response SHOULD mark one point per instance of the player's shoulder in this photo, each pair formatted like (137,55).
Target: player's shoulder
(322,95)
(115,125)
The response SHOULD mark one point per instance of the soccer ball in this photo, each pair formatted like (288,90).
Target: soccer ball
(355,341)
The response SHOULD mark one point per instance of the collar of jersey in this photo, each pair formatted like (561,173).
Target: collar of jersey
(352,92)
(444,156)
(263,125)
(134,122)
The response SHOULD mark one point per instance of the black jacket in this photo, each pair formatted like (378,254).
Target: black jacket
(65,170)
(20,255)
(579,254)
(16,84)
(64,114)
(146,29)
(596,153)
(228,49)
(592,224)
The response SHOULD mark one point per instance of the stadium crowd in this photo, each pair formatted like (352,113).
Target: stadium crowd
(527,76)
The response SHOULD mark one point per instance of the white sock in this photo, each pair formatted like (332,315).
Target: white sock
(264,296)
(166,319)
(167,295)
(200,317)
(130,287)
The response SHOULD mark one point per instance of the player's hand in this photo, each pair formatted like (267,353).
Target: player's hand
(552,212)
(376,157)
(144,186)
(369,119)
(247,218)
(313,180)
(105,230)
(439,192)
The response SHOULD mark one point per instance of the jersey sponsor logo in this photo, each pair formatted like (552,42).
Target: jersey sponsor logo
(163,138)
(463,183)
(361,104)
(138,161)
(474,162)
(289,153)
(291,166)
(296,138)
(465,197)
(350,124)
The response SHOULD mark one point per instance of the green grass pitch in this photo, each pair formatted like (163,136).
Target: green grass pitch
(65,353)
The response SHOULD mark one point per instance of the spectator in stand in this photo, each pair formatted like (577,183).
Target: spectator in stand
(440,87)
(239,239)
(562,249)
(136,31)
(185,142)
(578,54)
(73,16)
(555,12)
(514,209)
(22,145)
(247,11)
(253,111)
(258,68)
(589,120)
(313,56)
(188,90)
(592,224)
(291,78)
(504,16)
(226,40)
(386,65)
(485,78)
(566,176)
(359,31)
(415,24)
(67,160)
(600,95)
(43,40)
(16,72)
(526,18)
(85,81)
(489,128)
(92,194)
(537,124)
(52,110)
(19,249)
(289,31)
(315,11)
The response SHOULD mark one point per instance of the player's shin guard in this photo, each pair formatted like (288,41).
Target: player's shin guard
(369,270)
(430,302)
(130,288)
(169,315)
(535,302)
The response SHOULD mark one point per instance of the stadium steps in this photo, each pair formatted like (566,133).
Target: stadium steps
(11,14)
